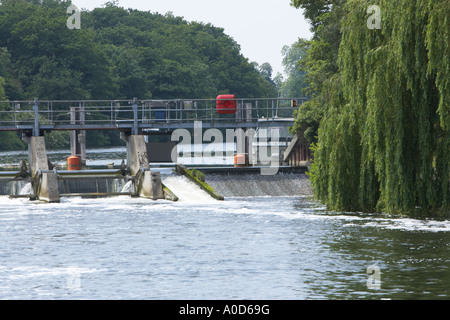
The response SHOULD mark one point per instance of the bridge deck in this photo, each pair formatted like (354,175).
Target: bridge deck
(38,116)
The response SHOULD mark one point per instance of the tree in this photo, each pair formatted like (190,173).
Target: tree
(117,54)
(318,62)
(43,48)
(295,83)
(12,86)
(384,141)
(2,89)
(9,140)
(315,10)
(53,81)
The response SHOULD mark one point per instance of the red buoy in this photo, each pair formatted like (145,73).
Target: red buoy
(74,163)
(226,104)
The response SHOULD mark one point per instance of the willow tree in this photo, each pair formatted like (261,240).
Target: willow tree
(2,89)
(384,143)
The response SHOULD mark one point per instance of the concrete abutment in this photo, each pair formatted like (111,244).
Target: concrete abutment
(44,182)
(147,184)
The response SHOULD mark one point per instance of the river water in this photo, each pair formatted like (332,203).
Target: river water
(246,247)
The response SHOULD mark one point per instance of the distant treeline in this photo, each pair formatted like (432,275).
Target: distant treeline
(116,54)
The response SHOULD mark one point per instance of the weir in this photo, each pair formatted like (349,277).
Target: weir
(221,183)
(250,183)
(93,183)
(45,183)
(137,120)
(138,180)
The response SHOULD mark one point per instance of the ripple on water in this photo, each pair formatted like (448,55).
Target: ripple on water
(241,248)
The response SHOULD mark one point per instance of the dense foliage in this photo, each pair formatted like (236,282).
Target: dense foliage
(320,62)
(295,82)
(118,54)
(384,140)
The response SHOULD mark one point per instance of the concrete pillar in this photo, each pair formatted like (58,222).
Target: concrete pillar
(151,186)
(78,137)
(37,154)
(248,112)
(137,154)
(148,184)
(45,183)
(49,188)
(244,144)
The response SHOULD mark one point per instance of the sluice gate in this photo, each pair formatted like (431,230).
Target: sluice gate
(136,120)
(179,182)
(45,183)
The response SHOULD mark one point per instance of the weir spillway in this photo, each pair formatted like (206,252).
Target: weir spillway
(252,184)
(69,183)
(227,181)
(254,125)
(43,181)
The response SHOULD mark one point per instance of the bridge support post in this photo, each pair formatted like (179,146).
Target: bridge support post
(244,137)
(78,137)
(249,137)
(244,144)
(44,182)
(137,156)
(147,184)
(36,131)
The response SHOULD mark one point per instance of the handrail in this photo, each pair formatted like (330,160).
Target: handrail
(137,113)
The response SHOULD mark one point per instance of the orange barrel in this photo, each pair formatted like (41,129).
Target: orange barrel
(74,163)
(240,160)
(226,104)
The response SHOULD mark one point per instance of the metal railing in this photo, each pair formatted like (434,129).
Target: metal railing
(136,114)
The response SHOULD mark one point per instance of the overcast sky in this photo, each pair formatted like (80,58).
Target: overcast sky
(261,27)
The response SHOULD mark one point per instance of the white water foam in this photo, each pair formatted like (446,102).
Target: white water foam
(407,224)
(186,190)
(26,190)
(128,187)
(24,272)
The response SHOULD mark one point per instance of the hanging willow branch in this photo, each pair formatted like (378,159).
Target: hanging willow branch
(385,145)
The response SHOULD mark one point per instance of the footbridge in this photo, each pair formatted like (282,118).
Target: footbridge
(135,119)
(38,116)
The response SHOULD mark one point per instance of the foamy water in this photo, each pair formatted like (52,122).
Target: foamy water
(246,247)
(200,248)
